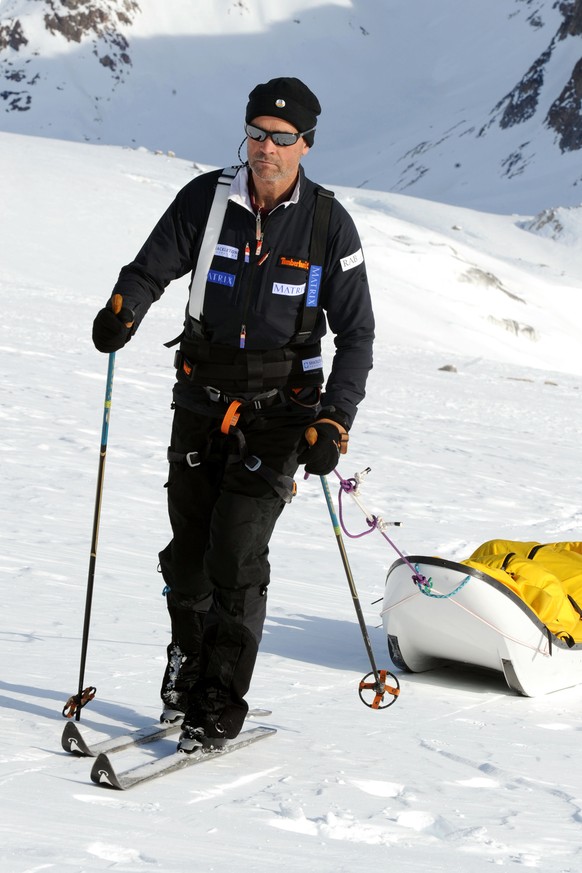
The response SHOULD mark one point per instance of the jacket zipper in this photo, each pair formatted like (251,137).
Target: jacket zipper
(250,277)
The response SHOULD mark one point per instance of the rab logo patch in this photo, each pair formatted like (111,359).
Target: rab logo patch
(294,262)
(352,260)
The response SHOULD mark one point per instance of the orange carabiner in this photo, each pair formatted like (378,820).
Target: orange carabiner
(231,417)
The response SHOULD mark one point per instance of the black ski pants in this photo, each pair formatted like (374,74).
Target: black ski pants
(222,517)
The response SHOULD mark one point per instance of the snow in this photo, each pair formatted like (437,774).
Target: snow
(459,774)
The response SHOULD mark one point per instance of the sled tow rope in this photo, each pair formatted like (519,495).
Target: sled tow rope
(374,522)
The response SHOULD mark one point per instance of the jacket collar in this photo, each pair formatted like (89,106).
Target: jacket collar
(239,190)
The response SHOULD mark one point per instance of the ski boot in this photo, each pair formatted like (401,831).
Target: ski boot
(206,737)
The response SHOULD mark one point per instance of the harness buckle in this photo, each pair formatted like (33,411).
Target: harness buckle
(253,463)
(192,459)
(214,394)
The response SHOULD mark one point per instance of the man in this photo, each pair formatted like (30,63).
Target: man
(248,403)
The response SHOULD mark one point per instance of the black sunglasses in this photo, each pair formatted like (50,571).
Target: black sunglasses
(279,137)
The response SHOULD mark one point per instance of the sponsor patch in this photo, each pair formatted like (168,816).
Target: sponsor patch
(223,251)
(294,262)
(312,364)
(288,290)
(352,260)
(315,273)
(221,278)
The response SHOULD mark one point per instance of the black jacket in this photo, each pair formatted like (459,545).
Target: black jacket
(267,298)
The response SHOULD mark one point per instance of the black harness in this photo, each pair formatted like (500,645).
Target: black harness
(251,380)
(247,370)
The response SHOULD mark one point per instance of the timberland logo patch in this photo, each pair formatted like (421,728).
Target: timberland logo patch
(222,251)
(219,278)
(288,290)
(294,262)
(312,364)
(352,260)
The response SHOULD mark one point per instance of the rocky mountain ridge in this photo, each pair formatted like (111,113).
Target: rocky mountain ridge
(100,23)
(71,68)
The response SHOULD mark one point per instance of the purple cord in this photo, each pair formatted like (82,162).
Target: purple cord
(349,485)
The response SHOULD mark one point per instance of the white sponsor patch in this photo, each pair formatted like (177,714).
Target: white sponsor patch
(288,290)
(312,364)
(226,252)
(352,260)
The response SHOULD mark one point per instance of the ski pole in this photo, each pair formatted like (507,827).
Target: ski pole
(378,686)
(75,703)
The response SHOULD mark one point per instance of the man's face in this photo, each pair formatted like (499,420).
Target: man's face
(272,163)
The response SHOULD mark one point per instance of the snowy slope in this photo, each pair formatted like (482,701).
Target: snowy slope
(416,96)
(459,774)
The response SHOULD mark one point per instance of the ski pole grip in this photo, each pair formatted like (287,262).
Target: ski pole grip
(343,436)
(117,305)
(311,436)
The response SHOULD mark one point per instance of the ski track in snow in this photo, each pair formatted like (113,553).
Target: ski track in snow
(458,775)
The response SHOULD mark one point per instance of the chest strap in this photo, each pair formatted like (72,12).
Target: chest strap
(317,249)
(209,242)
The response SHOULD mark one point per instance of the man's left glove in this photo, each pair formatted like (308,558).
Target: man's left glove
(112,326)
(326,439)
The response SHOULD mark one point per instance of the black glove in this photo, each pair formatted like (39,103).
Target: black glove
(326,440)
(112,327)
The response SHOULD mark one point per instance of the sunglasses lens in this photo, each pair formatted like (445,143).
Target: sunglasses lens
(255,133)
(279,138)
(284,139)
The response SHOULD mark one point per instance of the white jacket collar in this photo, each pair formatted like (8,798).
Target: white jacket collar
(239,191)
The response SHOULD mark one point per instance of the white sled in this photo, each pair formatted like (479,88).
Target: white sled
(468,617)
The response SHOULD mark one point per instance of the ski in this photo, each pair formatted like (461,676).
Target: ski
(72,739)
(103,772)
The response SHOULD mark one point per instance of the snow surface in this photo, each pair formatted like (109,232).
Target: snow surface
(460,774)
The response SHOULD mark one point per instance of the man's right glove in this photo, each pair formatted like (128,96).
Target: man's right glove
(112,326)
(326,439)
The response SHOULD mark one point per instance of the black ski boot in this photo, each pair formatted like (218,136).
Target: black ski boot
(182,668)
(201,738)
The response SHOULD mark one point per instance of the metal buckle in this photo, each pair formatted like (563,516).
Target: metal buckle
(252,459)
(214,394)
(192,459)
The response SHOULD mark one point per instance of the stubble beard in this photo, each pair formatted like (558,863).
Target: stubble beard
(267,172)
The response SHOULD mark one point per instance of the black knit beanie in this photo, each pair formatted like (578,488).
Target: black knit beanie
(285,98)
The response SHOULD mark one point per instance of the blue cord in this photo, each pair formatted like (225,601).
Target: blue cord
(425,586)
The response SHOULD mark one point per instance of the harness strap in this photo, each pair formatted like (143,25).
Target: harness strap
(252,372)
(284,486)
(317,249)
(258,401)
(209,241)
(193,459)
